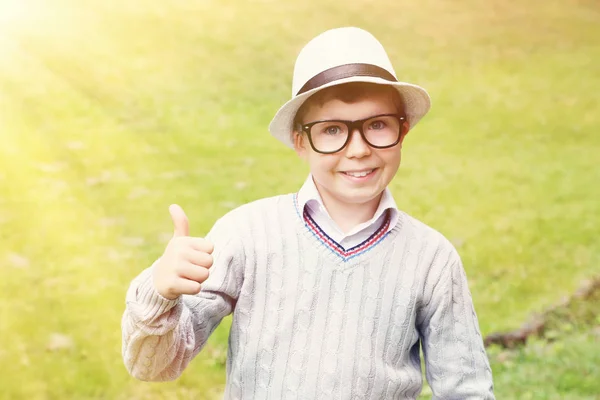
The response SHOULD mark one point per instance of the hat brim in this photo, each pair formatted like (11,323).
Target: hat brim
(416,104)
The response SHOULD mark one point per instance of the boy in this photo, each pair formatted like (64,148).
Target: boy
(333,290)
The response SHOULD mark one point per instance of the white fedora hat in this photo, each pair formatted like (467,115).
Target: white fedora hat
(340,56)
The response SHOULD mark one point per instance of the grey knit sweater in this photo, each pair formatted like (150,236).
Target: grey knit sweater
(312,320)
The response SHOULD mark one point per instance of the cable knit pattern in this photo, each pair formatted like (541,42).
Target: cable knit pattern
(312,322)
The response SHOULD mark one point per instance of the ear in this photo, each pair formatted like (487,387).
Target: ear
(299,144)
(405,129)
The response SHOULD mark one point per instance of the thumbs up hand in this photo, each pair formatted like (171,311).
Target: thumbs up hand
(184,264)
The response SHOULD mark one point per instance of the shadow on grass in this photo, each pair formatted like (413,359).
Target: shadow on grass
(577,312)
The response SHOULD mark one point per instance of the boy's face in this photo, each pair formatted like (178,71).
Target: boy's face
(330,171)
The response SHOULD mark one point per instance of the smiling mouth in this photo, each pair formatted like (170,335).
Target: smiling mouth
(359,174)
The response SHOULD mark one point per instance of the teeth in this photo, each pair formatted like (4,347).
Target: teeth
(359,174)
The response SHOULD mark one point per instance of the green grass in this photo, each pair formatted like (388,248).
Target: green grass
(564,362)
(110,111)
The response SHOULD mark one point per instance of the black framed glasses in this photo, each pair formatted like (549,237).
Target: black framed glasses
(330,136)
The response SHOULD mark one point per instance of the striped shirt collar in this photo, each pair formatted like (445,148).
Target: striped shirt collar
(308,196)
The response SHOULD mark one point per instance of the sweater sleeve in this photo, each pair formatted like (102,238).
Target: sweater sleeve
(160,336)
(456,363)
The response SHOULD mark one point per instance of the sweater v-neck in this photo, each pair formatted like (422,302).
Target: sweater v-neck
(336,252)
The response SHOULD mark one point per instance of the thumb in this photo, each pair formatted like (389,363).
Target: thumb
(180,220)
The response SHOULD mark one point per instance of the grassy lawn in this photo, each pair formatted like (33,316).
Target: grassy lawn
(110,111)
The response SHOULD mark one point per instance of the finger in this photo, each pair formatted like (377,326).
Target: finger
(180,220)
(198,258)
(193,272)
(201,244)
(187,286)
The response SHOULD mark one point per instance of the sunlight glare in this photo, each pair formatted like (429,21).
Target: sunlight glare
(12,11)
(23,14)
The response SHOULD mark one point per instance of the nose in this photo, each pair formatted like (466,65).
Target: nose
(357,147)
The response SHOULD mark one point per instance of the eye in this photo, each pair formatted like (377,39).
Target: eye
(377,125)
(332,130)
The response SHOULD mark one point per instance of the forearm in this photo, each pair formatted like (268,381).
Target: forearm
(456,362)
(158,334)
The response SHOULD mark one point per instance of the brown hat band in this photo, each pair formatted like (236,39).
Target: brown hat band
(346,71)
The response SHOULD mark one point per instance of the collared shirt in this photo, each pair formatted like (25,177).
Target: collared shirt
(309,197)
